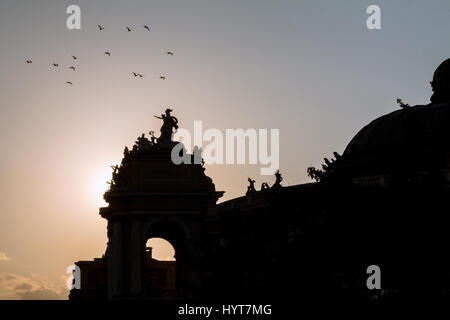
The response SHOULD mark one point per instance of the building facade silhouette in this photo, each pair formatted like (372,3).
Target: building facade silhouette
(383,202)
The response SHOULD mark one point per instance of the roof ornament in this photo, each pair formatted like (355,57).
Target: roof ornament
(169,123)
(278,179)
(251,187)
(402,104)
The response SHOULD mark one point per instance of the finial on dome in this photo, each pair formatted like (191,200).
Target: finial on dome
(441,83)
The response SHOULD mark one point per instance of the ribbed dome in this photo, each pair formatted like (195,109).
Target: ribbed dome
(419,128)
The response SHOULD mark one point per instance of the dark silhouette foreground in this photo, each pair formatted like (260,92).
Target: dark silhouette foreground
(384,201)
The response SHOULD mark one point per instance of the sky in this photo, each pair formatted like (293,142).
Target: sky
(311,69)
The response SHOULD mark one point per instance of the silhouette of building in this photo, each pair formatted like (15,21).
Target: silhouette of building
(384,201)
(159,277)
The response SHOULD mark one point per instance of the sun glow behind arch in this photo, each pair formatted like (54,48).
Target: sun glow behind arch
(100,184)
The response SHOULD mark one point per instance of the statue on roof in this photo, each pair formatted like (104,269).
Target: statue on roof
(278,179)
(169,123)
(142,142)
(402,104)
(152,137)
(251,187)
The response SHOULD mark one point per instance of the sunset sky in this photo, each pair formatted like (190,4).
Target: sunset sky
(311,69)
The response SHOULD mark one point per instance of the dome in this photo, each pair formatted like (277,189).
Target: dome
(405,143)
(418,128)
(414,130)
(441,83)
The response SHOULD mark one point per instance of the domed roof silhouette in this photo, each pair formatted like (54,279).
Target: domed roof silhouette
(419,128)
(407,141)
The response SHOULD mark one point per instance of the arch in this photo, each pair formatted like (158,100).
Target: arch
(168,229)
(160,276)
(160,249)
(164,278)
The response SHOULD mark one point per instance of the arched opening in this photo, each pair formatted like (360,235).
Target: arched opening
(165,261)
(163,246)
(160,268)
(160,249)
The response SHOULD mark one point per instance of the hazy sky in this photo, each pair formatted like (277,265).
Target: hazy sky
(309,68)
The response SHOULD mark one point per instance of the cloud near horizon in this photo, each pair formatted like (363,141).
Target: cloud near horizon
(17,287)
(4,257)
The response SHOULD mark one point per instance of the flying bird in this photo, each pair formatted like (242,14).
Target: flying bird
(74,57)
(29,61)
(108,53)
(170,53)
(55,64)
(72,68)
(140,75)
(68,82)
(100,27)
(135,74)
(162,77)
(147,27)
(129,29)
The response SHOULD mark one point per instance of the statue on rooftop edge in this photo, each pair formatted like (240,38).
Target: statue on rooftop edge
(278,179)
(169,123)
(152,137)
(251,187)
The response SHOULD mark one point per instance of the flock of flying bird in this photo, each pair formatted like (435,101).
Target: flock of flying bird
(107,53)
